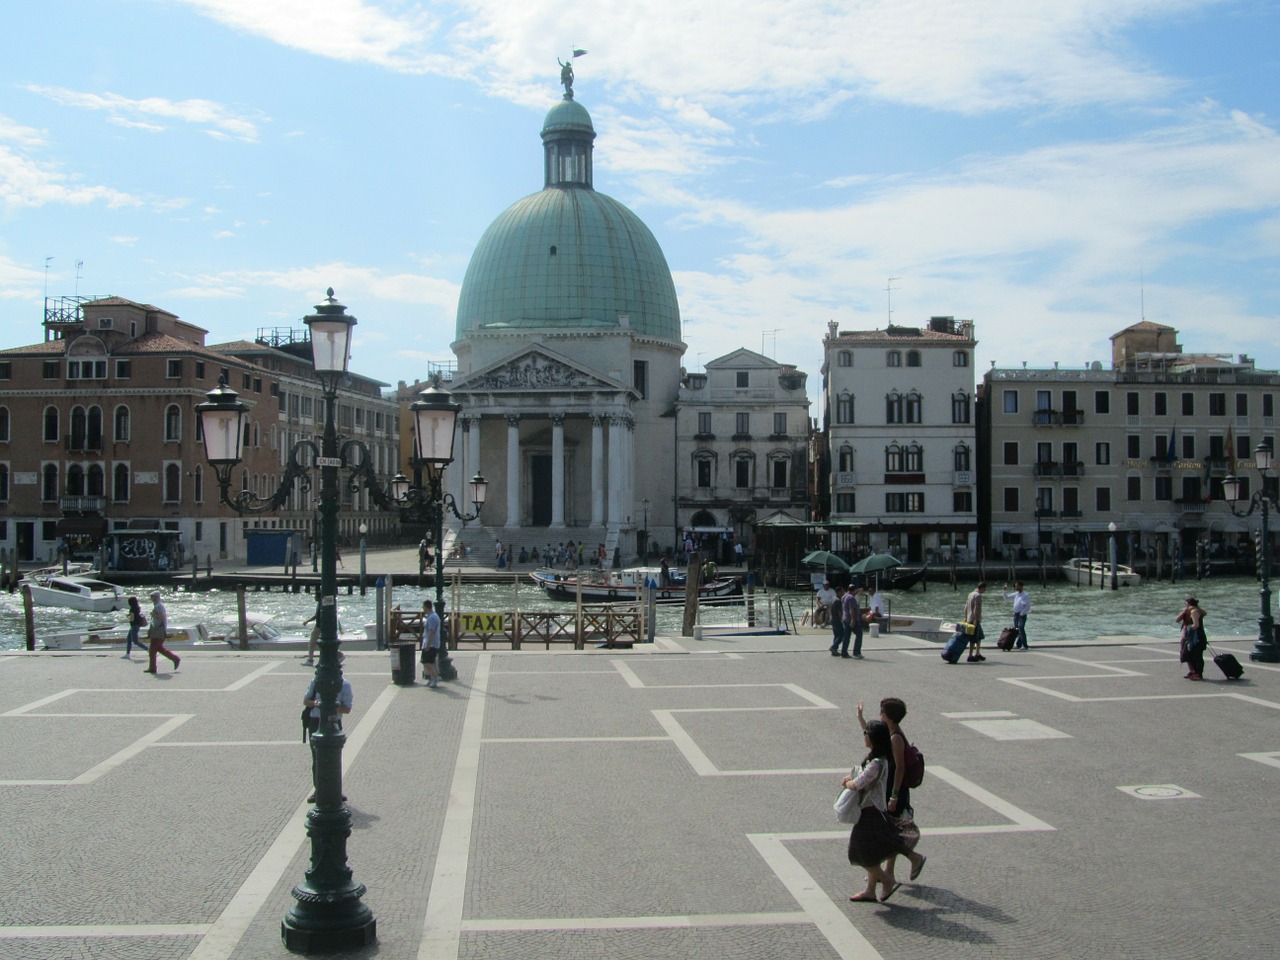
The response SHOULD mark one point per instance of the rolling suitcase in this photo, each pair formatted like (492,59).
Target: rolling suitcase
(955,646)
(1007,637)
(1228,664)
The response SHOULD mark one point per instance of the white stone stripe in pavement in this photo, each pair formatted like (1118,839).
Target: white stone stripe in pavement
(638,923)
(442,927)
(101,769)
(225,932)
(98,931)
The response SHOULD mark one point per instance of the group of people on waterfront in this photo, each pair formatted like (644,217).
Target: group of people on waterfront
(842,609)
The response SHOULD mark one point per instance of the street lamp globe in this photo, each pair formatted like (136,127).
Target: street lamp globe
(221,423)
(330,328)
(1265,455)
(434,414)
(479,490)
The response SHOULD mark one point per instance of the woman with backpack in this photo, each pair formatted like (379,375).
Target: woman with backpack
(906,767)
(874,837)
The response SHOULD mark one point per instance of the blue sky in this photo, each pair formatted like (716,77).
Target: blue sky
(1054,170)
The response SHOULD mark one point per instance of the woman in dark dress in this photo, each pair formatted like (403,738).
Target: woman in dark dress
(898,804)
(873,839)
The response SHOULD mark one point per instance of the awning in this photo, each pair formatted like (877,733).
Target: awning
(81,527)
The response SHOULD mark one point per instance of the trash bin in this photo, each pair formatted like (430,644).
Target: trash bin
(404,666)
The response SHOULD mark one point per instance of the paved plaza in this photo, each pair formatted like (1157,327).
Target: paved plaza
(673,801)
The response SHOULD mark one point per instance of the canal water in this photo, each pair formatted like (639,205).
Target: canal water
(1059,611)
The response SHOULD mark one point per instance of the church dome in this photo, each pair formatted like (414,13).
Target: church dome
(568,256)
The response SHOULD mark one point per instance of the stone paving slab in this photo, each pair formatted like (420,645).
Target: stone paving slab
(1080,800)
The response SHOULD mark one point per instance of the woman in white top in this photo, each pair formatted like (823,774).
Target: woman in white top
(873,839)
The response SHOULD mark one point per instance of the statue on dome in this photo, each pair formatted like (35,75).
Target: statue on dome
(566,77)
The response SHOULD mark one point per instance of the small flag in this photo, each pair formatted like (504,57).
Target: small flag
(1171,453)
(1231,452)
(579,53)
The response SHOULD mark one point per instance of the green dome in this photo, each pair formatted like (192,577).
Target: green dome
(568,256)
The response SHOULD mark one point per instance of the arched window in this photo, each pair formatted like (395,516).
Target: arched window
(893,459)
(172,423)
(914,408)
(960,407)
(172,483)
(844,408)
(913,459)
(845,459)
(120,484)
(96,480)
(79,429)
(49,483)
(257,435)
(121,430)
(844,358)
(962,456)
(913,358)
(51,424)
(960,358)
(94,437)
(4,424)
(75,480)
(198,484)
(704,470)
(4,482)
(744,468)
(893,408)
(893,359)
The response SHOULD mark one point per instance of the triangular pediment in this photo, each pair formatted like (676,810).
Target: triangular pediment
(536,369)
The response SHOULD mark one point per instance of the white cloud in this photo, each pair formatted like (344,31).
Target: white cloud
(125,111)
(25,182)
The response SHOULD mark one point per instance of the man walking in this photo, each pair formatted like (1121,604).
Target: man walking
(839,637)
(431,643)
(1021,607)
(973,615)
(853,625)
(157,632)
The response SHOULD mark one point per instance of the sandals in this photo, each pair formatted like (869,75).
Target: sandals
(863,898)
(915,870)
(891,891)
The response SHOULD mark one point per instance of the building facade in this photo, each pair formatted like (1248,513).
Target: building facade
(742,432)
(900,444)
(1143,445)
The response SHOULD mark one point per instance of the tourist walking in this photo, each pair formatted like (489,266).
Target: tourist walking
(840,639)
(973,615)
(1194,639)
(873,838)
(137,620)
(853,623)
(1021,607)
(157,631)
(430,643)
(898,803)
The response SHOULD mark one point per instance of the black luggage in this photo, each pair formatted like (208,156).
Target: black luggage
(1007,637)
(955,646)
(1228,664)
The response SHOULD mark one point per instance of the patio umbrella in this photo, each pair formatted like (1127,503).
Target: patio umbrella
(876,563)
(824,559)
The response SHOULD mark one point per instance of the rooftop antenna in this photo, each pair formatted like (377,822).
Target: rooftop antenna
(79,267)
(774,335)
(1142,294)
(888,289)
(46,277)
(701,354)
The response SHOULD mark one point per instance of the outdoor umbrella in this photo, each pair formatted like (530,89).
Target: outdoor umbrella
(824,559)
(875,563)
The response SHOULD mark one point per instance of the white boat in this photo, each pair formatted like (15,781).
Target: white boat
(264,636)
(75,593)
(626,584)
(1084,572)
(115,636)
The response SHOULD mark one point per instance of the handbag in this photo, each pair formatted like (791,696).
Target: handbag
(969,629)
(848,806)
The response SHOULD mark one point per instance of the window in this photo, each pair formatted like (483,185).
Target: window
(904,503)
(4,424)
(1188,404)
(640,377)
(914,408)
(124,369)
(844,408)
(913,358)
(1102,453)
(173,423)
(703,466)
(1044,452)
(893,459)
(1217,404)
(845,503)
(96,482)
(1133,446)
(49,483)
(51,430)
(120,430)
(742,473)
(79,428)
(1162,404)
(1010,453)
(1044,500)
(779,424)
(199,369)
(1133,488)
(893,359)
(959,407)
(1188,446)
(4,482)
(962,457)
(75,480)
(960,358)
(172,483)
(1071,501)
(120,484)
(778,471)
(742,379)
(704,424)
(893,408)
(1268,405)
(742,424)
(913,458)
(1244,448)
(86,369)
(1131,404)
(173,369)
(50,371)
(6,369)
(1164,488)
(844,359)
(845,459)
(1102,499)
(1165,447)
(1011,499)
(1011,401)
(199,486)
(1242,404)
(962,501)
(1101,401)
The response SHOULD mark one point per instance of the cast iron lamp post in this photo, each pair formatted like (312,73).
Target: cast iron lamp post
(329,914)
(1265,650)
(1114,579)
(434,415)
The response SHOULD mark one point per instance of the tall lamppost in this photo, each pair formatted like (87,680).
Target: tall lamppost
(1265,650)
(434,415)
(1114,579)
(364,529)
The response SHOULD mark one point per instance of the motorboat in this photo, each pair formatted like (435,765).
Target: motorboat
(75,592)
(88,638)
(627,584)
(1084,572)
(261,635)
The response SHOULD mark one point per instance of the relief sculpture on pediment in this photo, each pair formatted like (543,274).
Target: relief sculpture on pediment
(532,372)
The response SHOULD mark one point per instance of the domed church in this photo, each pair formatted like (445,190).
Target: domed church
(568,361)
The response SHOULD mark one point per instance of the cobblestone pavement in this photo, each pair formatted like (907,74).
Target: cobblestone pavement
(674,801)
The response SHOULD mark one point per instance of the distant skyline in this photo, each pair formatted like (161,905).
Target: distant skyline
(1053,171)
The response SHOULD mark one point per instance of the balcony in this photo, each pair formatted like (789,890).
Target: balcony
(1072,418)
(82,504)
(704,437)
(1045,513)
(1191,504)
(846,479)
(78,443)
(1067,514)
(1073,468)
(741,438)
(1046,468)
(962,478)
(1044,418)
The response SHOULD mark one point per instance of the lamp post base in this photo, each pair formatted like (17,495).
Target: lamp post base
(1265,652)
(323,923)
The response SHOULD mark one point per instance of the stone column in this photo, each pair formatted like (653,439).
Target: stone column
(473,450)
(597,470)
(557,470)
(513,471)
(613,472)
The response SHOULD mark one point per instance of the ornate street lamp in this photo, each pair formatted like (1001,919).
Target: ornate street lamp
(1114,579)
(434,415)
(1265,650)
(329,914)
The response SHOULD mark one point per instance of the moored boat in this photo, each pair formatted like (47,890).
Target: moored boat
(626,584)
(88,638)
(1084,572)
(75,592)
